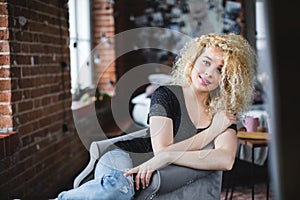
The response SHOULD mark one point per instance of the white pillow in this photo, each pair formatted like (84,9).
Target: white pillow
(160,79)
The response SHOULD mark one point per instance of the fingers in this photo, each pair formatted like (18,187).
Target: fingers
(142,179)
(137,181)
(231,116)
(222,120)
(227,118)
(131,171)
(147,178)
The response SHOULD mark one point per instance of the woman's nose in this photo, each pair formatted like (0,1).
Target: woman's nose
(208,73)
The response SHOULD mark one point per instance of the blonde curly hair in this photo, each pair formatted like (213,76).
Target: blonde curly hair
(235,92)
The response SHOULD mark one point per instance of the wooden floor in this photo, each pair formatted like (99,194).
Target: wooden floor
(245,193)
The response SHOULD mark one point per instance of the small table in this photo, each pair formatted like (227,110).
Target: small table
(254,140)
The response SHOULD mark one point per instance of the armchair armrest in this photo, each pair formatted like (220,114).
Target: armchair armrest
(175,181)
(97,148)
(179,176)
(169,179)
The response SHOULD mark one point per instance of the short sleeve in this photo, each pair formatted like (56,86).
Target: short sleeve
(161,103)
(233,126)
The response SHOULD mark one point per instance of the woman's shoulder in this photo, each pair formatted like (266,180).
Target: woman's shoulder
(171,92)
(169,89)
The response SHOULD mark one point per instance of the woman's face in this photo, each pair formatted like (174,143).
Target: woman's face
(206,73)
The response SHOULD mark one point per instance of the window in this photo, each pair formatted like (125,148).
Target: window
(80,44)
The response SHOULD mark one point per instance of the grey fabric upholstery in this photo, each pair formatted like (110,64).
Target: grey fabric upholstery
(172,182)
(176,182)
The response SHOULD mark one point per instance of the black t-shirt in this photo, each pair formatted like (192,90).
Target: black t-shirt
(167,101)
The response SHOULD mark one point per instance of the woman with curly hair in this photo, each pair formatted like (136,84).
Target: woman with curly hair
(213,82)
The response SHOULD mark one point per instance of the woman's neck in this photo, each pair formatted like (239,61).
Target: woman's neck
(197,108)
(200,97)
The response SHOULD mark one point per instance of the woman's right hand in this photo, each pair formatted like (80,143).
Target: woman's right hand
(221,121)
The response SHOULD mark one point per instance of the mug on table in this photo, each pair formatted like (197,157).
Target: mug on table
(250,123)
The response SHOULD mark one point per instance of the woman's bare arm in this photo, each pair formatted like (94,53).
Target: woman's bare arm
(220,158)
(161,130)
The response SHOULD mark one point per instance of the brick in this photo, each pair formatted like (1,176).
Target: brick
(36,125)
(5,110)
(20,3)
(43,7)
(28,151)
(24,129)
(23,118)
(21,59)
(39,92)
(5,85)
(46,100)
(26,140)
(53,30)
(4,59)
(14,83)
(22,166)
(37,103)
(15,72)
(11,144)
(5,174)
(4,46)
(25,106)
(26,83)
(2,150)
(3,9)
(4,72)
(5,97)
(21,11)
(23,177)
(4,34)
(23,36)
(25,48)
(26,93)
(36,48)
(5,164)
(34,115)
(3,22)
(15,47)
(55,128)
(5,121)
(16,95)
(28,71)
(103,11)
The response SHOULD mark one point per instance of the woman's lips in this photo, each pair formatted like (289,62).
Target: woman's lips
(204,81)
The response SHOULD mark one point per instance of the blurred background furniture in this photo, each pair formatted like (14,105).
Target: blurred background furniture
(245,173)
(141,102)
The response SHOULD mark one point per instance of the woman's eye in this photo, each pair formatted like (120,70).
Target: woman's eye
(205,62)
(219,70)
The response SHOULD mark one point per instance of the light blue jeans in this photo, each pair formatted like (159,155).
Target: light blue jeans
(109,182)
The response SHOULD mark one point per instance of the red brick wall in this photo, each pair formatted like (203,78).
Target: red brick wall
(5,80)
(46,159)
(103,23)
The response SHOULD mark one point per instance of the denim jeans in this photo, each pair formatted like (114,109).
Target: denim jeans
(109,182)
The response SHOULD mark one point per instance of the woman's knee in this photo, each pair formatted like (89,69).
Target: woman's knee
(113,160)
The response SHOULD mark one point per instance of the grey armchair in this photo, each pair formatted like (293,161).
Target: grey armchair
(172,182)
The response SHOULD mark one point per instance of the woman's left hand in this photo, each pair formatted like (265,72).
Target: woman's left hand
(144,171)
